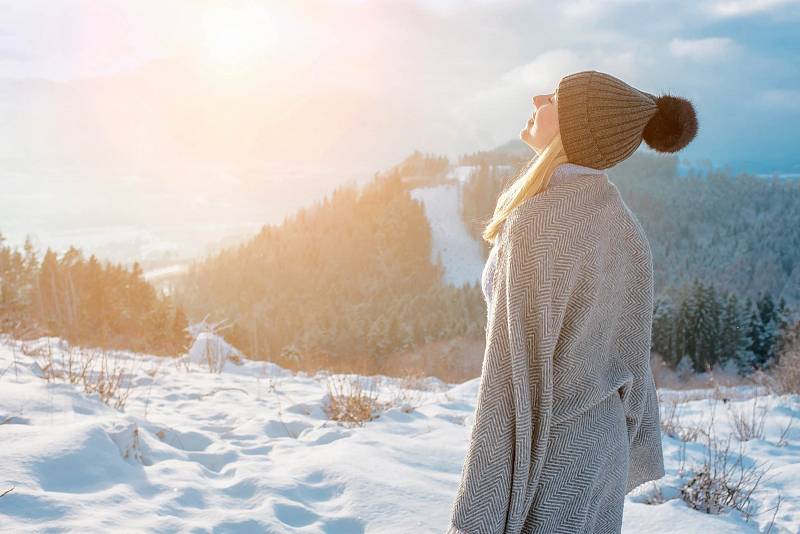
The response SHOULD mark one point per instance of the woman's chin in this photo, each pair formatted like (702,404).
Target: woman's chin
(526,138)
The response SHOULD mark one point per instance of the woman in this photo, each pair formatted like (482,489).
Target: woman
(567,417)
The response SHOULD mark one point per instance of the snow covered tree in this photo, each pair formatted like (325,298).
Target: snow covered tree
(663,341)
(685,365)
(766,327)
(733,338)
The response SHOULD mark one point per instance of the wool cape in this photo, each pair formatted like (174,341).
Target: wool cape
(567,417)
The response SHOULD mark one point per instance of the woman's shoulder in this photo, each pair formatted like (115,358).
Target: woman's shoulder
(563,207)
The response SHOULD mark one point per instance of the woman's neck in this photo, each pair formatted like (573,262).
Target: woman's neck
(566,171)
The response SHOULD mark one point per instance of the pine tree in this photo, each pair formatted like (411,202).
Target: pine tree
(49,287)
(733,339)
(783,319)
(158,328)
(686,328)
(755,336)
(685,365)
(180,331)
(765,324)
(664,319)
(707,323)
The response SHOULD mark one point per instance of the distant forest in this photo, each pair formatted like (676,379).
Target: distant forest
(344,284)
(86,302)
(348,283)
(726,254)
(350,279)
(740,232)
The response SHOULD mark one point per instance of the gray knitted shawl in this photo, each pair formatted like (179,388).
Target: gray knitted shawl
(568,330)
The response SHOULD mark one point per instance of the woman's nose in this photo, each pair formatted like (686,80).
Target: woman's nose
(537,100)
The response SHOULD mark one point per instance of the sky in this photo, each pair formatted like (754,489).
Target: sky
(447,76)
(198,99)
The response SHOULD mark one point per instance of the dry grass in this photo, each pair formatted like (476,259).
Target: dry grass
(97,370)
(747,425)
(724,480)
(787,373)
(134,450)
(774,513)
(409,393)
(712,379)
(152,372)
(415,378)
(782,441)
(671,424)
(349,402)
(183,364)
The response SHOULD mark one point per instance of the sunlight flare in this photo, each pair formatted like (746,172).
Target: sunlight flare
(236,37)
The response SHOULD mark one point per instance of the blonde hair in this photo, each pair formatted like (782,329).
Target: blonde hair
(532,180)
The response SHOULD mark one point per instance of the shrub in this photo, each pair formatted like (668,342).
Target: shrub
(96,370)
(671,424)
(723,480)
(349,402)
(787,372)
(747,426)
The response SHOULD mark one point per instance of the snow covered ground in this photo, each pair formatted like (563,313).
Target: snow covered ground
(461,172)
(251,450)
(461,254)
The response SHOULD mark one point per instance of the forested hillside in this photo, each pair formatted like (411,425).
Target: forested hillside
(348,283)
(344,283)
(740,232)
(86,302)
(726,254)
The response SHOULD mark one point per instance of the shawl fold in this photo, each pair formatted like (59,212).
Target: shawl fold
(549,285)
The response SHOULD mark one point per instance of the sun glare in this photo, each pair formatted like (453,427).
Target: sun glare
(234,37)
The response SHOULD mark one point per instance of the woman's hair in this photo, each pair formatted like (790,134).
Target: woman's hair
(533,179)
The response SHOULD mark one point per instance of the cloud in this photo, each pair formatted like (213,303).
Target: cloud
(543,73)
(449,7)
(741,8)
(707,49)
(540,75)
(595,8)
(487,114)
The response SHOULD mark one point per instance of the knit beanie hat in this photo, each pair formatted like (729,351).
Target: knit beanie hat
(603,120)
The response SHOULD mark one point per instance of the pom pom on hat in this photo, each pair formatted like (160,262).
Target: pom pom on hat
(673,126)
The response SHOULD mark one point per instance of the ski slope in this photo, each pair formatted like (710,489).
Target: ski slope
(461,254)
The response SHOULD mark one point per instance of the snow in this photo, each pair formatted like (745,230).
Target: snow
(251,450)
(461,254)
(461,172)
(211,350)
(153,275)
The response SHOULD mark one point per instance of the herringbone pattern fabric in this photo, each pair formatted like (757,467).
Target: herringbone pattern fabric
(566,420)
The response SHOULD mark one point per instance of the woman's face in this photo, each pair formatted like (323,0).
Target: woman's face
(543,124)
